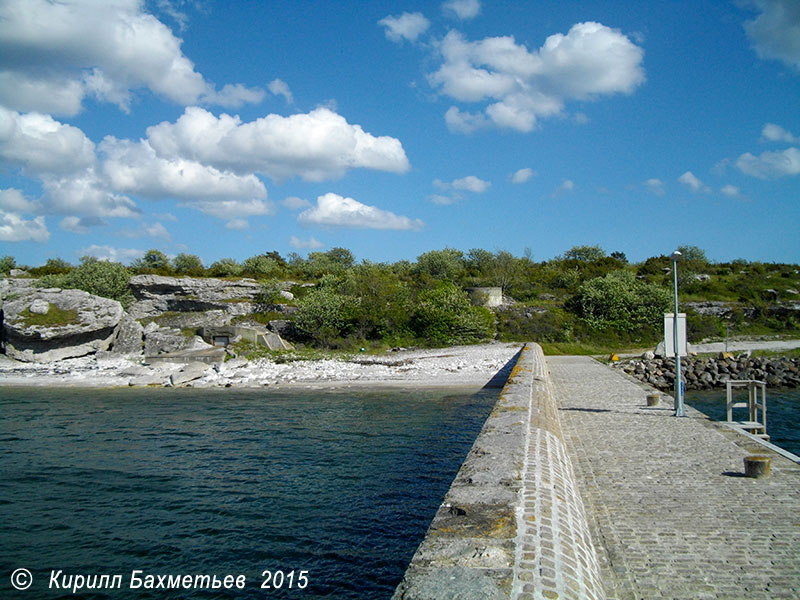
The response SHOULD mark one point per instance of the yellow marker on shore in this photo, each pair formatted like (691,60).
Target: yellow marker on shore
(613,358)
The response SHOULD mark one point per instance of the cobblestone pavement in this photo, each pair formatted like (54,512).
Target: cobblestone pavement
(669,509)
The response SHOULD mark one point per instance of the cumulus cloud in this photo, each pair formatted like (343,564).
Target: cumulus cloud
(770,165)
(309,244)
(336,211)
(233,208)
(407,26)
(462,9)
(81,225)
(295,203)
(775,32)
(522,86)
(281,88)
(136,168)
(692,182)
(40,144)
(87,194)
(14,228)
(54,54)
(154,230)
(110,253)
(775,133)
(522,175)
(315,146)
(655,186)
(567,186)
(470,183)
(12,200)
(731,191)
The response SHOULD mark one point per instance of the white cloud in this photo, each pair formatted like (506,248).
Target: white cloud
(775,32)
(40,144)
(281,88)
(690,180)
(295,203)
(336,211)
(567,186)
(109,253)
(81,225)
(462,9)
(233,95)
(775,133)
(12,200)
(136,168)
(13,228)
(86,194)
(523,86)
(316,146)
(445,200)
(459,121)
(155,231)
(770,165)
(470,183)
(730,190)
(309,244)
(232,208)
(237,224)
(522,175)
(54,54)
(407,26)
(655,186)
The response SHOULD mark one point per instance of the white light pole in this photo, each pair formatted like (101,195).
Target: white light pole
(679,412)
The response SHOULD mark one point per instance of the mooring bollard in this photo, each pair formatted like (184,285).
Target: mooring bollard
(757,466)
(653,399)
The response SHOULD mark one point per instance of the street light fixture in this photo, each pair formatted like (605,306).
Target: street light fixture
(679,412)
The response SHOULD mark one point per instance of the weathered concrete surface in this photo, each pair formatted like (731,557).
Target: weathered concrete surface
(512,524)
(669,507)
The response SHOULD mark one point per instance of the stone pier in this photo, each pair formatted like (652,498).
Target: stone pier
(577,489)
(512,524)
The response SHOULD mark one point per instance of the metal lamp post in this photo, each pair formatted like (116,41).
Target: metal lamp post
(679,412)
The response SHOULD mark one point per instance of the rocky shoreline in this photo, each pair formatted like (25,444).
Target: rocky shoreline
(461,366)
(709,373)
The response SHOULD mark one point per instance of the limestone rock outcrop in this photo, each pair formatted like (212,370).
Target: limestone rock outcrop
(41,325)
(156,294)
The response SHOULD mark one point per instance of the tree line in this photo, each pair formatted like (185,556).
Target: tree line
(584,296)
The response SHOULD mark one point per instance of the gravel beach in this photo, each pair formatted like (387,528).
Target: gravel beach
(469,366)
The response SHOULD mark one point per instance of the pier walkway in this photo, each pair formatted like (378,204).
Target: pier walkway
(670,512)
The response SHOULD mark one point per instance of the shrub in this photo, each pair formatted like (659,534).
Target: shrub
(444,316)
(225,267)
(7,263)
(98,277)
(618,301)
(187,264)
(324,316)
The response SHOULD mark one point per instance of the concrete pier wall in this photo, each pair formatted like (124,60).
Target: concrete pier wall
(512,524)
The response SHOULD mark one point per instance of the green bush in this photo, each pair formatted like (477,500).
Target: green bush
(187,264)
(7,263)
(444,316)
(225,267)
(324,316)
(619,302)
(98,277)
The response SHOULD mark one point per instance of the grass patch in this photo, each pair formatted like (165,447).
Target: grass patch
(583,349)
(54,317)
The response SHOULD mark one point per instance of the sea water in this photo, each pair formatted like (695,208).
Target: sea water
(783,412)
(329,491)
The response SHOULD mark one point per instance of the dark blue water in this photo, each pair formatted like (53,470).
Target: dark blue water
(341,485)
(783,412)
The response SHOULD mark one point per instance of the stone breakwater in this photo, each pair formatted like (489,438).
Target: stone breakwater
(709,373)
(512,525)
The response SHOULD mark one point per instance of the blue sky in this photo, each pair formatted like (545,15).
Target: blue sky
(227,129)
